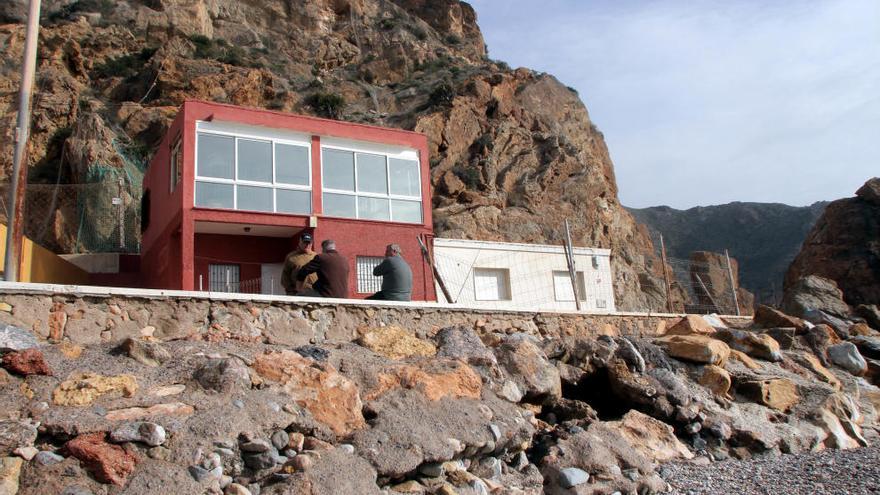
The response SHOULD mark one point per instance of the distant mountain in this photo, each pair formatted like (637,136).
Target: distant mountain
(763,237)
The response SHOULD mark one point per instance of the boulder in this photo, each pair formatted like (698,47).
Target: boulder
(761,346)
(151,434)
(10,472)
(744,359)
(462,343)
(16,339)
(819,317)
(223,375)
(813,364)
(144,352)
(83,388)
(847,356)
(628,352)
(691,325)
(776,393)
(108,463)
(434,379)
(868,346)
(715,379)
(816,293)
(696,348)
(650,437)
(331,398)
(786,337)
(26,362)
(394,342)
(818,339)
(528,367)
(767,317)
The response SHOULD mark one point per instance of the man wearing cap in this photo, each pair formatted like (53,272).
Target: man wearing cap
(294,261)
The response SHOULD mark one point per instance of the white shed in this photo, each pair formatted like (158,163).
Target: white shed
(505,275)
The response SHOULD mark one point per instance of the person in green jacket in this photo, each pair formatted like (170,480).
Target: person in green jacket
(397,279)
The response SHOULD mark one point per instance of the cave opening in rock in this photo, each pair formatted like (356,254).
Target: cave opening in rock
(595,389)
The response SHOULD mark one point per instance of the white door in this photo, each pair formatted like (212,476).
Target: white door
(270,278)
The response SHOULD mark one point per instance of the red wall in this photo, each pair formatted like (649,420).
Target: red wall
(249,252)
(173,252)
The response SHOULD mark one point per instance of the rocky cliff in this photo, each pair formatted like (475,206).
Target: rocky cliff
(763,237)
(844,247)
(513,152)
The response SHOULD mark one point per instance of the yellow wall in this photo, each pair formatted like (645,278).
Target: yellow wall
(38,264)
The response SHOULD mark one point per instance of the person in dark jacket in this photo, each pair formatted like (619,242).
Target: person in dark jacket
(332,270)
(397,279)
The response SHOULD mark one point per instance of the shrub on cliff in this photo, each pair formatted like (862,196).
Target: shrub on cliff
(328,105)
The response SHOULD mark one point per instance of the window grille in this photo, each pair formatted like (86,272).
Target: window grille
(367,283)
(223,278)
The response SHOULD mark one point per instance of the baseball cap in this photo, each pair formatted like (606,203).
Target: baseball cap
(306,237)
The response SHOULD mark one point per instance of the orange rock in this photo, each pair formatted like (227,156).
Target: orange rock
(394,342)
(108,463)
(744,359)
(715,379)
(650,437)
(697,348)
(70,351)
(435,380)
(691,325)
(776,393)
(330,397)
(813,364)
(26,362)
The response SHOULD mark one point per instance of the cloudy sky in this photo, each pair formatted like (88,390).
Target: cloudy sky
(711,101)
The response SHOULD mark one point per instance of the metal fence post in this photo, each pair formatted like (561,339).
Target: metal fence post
(572,270)
(666,275)
(732,283)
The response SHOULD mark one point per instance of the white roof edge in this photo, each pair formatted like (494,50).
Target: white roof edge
(516,246)
(27,288)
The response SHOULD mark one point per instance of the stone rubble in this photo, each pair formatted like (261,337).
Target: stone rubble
(492,409)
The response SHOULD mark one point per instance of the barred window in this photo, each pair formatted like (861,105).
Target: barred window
(367,283)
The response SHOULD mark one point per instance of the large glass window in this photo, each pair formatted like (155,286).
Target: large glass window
(371,186)
(253,174)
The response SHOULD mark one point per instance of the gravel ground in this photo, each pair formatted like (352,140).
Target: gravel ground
(851,472)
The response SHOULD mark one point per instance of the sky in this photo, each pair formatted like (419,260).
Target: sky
(706,102)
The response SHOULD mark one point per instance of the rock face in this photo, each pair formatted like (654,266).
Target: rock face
(513,152)
(844,246)
(710,282)
(814,293)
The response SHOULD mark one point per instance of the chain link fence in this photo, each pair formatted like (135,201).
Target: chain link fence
(100,216)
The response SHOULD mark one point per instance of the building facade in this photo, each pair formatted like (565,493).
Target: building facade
(535,277)
(230,189)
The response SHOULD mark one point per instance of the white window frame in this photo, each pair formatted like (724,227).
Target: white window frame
(406,155)
(507,289)
(174,165)
(244,132)
(581,280)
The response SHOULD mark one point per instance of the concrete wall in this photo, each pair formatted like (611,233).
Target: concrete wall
(530,270)
(38,264)
(99,314)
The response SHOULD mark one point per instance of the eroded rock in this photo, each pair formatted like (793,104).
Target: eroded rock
(108,463)
(84,388)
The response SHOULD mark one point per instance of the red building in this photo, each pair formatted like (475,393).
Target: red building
(230,189)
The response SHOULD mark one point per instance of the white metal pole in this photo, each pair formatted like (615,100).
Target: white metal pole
(13,234)
(732,283)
